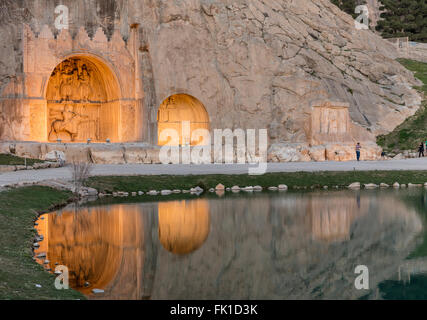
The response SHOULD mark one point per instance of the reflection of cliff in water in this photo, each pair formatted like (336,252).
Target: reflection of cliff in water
(284,246)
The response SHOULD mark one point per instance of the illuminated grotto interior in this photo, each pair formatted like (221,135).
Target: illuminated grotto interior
(82,102)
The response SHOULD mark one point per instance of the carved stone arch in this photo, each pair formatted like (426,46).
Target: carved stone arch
(83,101)
(115,66)
(107,68)
(179,108)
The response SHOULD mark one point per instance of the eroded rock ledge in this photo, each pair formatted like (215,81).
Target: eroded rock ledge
(134,153)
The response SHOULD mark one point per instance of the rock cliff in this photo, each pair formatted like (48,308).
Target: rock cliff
(253,64)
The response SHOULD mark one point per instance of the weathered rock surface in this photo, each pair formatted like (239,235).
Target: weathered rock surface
(220,187)
(107,154)
(328,152)
(55,155)
(257,64)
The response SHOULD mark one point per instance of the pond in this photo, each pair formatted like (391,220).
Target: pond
(267,245)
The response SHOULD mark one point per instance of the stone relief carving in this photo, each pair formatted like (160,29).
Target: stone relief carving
(75,95)
(330,122)
(68,124)
(73,80)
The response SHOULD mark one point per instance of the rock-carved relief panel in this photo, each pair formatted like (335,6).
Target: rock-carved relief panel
(333,121)
(330,123)
(75,95)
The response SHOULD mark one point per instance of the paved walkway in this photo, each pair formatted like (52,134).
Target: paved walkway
(154,169)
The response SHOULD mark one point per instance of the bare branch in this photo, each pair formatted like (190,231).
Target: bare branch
(80,172)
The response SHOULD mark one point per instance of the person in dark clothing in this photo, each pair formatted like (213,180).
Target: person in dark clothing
(421,150)
(358,147)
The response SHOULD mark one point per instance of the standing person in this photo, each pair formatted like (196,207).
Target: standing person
(421,150)
(358,147)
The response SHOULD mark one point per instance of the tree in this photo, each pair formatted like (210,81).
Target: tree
(400,18)
(348,6)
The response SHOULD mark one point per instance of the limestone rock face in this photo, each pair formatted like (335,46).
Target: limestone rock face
(327,152)
(253,64)
(267,61)
(141,154)
(29,150)
(288,153)
(105,155)
(55,155)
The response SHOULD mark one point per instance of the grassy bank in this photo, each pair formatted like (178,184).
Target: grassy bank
(413,130)
(300,179)
(9,159)
(18,272)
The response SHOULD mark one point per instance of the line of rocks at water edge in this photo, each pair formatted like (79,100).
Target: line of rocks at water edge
(219,189)
(87,192)
(396,185)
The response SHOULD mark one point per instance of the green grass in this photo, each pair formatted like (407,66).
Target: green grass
(300,179)
(18,272)
(9,159)
(413,130)
(420,69)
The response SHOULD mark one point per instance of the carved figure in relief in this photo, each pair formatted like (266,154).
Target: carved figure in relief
(69,80)
(85,86)
(55,81)
(68,123)
(333,122)
(170,108)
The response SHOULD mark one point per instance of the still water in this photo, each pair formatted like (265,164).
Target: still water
(244,246)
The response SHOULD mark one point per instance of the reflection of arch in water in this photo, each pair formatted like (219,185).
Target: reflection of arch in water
(106,247)
(183,225)
(178,108)
(87,242)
